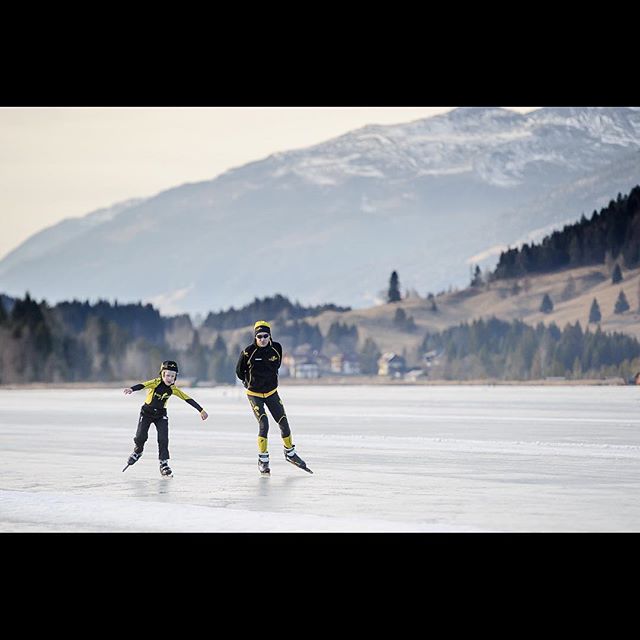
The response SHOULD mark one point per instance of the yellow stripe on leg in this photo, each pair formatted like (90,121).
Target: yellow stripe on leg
(287,442)
(262,444)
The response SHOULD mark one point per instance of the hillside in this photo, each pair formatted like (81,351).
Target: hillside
(498,300)
(493,327)
(77,342)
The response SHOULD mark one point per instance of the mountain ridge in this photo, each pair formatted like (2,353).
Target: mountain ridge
(332,220)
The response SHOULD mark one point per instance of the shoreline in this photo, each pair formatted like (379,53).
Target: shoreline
(354,381)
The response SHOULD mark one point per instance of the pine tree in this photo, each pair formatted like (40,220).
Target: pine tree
(403,322)
(394,288)
(575,251)
(476,279)
(400,318)
(594,313)
(221,366)
(621,303)
(546,306)
(369,356)
(344,336)
(616,276)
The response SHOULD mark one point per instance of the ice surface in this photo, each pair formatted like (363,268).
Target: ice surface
(385,459)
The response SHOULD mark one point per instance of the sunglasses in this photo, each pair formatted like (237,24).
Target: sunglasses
(262,336)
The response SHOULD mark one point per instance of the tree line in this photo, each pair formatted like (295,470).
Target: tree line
(39,343)
(74,341)
(78,341)
(614,231)
(276,307)
(514,350)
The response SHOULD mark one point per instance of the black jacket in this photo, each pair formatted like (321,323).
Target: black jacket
(258,367)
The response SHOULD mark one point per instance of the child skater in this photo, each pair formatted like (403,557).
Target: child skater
(159,390)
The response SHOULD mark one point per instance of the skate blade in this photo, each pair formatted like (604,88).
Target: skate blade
(299,467)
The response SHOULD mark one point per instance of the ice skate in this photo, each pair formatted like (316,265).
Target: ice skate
(291,456)
(263,464)
(133,458)
(165,469)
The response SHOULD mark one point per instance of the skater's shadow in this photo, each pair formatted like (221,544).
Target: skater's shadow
(150,488)
(164,486)
(264,487)
(280,486)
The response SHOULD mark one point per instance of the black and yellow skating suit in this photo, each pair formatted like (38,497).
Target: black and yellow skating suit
(157,395)
(154,411)
(258,369)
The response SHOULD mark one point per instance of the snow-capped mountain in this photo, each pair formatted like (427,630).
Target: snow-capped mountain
(330,222)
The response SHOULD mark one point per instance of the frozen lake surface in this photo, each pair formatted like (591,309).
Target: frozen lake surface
(385,459)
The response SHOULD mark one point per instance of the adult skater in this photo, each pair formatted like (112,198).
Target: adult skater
(257,368)
(159,390)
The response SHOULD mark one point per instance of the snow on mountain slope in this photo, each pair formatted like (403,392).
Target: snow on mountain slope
(330,222)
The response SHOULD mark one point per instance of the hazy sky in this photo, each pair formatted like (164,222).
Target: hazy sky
(64,162)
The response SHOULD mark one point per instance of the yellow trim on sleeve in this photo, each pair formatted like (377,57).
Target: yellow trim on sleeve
(180,393)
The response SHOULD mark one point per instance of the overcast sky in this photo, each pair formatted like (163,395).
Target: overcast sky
(61,162)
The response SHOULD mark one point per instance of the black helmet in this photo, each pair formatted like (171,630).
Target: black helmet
(169,365)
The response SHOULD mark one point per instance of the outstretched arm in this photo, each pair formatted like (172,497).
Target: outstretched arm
(137,387)
(181,394)
(203,414)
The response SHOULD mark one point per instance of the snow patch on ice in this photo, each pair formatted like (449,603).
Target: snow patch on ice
(47,511)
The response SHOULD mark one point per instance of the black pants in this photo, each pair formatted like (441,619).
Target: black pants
(161,421)
(276,408)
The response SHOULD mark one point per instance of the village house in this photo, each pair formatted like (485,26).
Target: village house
(345,364)
(304,363)
(307,369)
(391,364)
